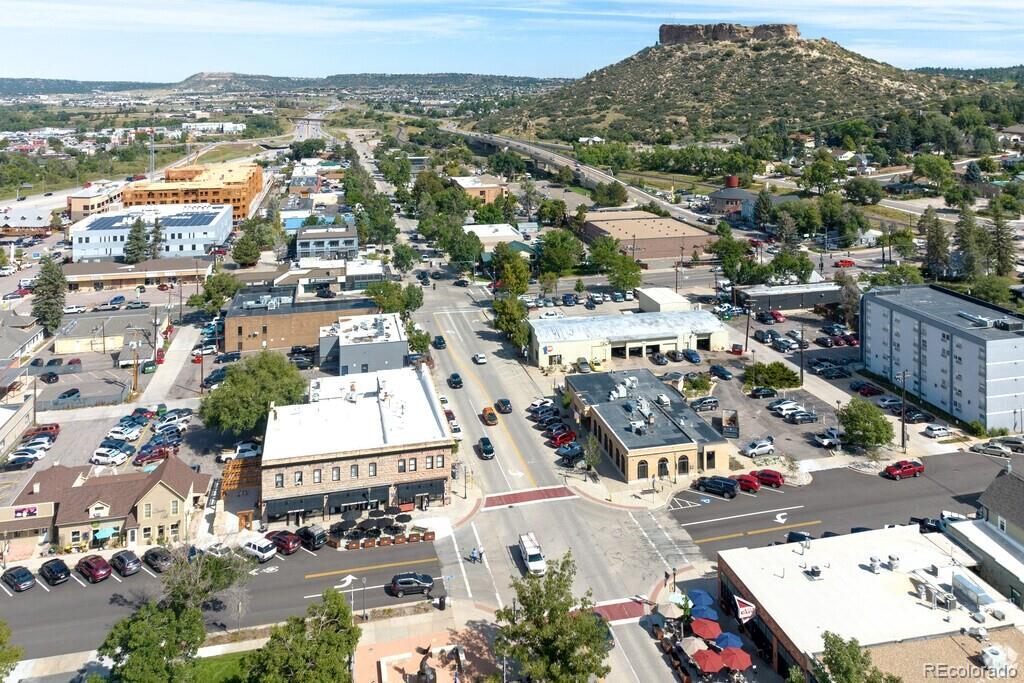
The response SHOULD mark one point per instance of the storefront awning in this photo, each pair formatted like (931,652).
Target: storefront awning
(103,534)
(357,496)
(408,492)
(282,506)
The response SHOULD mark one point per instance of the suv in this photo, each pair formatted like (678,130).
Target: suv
(126,562)
(411,582)
(563,438)
(533,558)
(55,571)
(765,446)
(94,568)
(720,485)
(769,478)
(313,537)
(286,542)
(704,403)
(262,549)
(158,559)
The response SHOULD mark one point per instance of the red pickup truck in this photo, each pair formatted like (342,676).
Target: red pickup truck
(904,468)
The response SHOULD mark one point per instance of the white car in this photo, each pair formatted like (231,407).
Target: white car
(787,410)
(36,444)
(108,456)
(456,430)
(937,431)
(207,350)
(125,433)
(443,399)
(540,403)
(480,359)
(170,428)
(781,404)
(75,309)
(262,549)
(551,315)
(887,402)
(35,453)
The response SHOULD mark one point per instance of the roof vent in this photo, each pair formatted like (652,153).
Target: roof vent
(1010,325)
(977,320)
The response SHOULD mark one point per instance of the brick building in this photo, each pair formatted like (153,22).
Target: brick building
(396,449)
(484,187)
(270,317)
(644,235)
(235,184)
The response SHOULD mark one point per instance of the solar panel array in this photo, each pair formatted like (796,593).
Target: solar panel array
(178,220)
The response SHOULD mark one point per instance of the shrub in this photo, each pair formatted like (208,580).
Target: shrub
(776,375)
(976,428)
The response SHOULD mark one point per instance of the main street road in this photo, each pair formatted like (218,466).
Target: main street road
(75,616)
(837,501)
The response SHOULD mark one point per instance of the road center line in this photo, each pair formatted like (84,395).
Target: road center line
(748,514)
(353,570)
(754,532)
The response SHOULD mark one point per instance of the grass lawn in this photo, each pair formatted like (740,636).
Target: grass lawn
(220,669)
(229,151)
(667,181)
(888,213)
(579,190)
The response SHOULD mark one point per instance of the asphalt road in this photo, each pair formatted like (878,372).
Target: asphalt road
(278,589)
(836,501)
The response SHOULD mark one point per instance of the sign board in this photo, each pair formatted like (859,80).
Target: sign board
(31,511)
(744,610)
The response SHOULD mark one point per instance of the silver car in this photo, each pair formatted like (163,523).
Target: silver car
(992,448)
(764,446)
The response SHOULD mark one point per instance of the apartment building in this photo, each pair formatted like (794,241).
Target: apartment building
(187,229)
(327,242)
(97,197)
(483,187)
(237,185)
(962,355)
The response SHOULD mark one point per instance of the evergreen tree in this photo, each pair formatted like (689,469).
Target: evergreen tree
(137,245)
(936,250)
(1002,243)
(246,252)
(763,209)
(48,297)
(972,174)
(156,239)
(786,232)
(966,236)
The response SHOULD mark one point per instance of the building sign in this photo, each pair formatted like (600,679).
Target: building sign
(31,511)
(744,610)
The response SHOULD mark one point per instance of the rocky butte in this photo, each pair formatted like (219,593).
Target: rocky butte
(686,34)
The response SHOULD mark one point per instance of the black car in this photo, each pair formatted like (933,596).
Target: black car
(215,377)
(55,571)
(917,417)
(503,406)
(798,537)
(20,463)
(486,448)
(720,372)
(158,559)
(69,395)
(19,579)
(411,582)
(37,362)
(765,318)
(126,563)
(302,350)
(312,537)
(723,486)
(659,359)
(302,362)
(461,282)
(927,525)
(546,422)
(229,357)
(762,336)
(326,293)
(49,378)
(54,362)
(824,341)
(705,403)
(763,392)
(440,343)
(455,380)
(835,373)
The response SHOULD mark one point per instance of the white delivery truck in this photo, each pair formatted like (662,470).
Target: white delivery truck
(532,555)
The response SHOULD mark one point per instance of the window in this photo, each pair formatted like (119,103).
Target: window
(76,536)
(366,368)
(430,462)
(239,330)
(335,474)
(174,507)
(709,460)
(263,329)
(353,471)
(1001,524)
(278,481)
(412,464)
(401,464)
(174,530)
(316,476)
(147,510)
(298,478)
(147,533)
(439,461)
(372,469)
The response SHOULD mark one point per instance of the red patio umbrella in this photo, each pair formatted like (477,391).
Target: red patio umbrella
(735,659)
(705,628)
(709,661)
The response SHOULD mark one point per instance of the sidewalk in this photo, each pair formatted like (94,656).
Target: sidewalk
(176,357)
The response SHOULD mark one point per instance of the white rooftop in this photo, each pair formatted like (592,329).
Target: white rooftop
(852,601)
(809,287)
(366,411)
(502,232)
(469,182)
(664,295)
(616,327)
(97,188)
(999,547)
(366,329)
(364,267)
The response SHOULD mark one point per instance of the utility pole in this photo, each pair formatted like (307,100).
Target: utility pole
(903,411)
(802,342)
(746,336)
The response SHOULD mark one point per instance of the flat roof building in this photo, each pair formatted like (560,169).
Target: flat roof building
(327,242)
(788,297)
(661,300)
(364,343)
(187,230)
(645,427)
(484,187)
(235,184)
(312,274)
(113,275)
(562,341)
(886,587)
(396,448)
(961,355)
(643,235)
(493,234)
(99,196)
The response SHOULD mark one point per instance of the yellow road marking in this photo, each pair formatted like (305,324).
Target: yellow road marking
(501,423)
(370,567)
(755,532)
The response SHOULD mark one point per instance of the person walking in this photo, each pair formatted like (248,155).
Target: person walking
(480,554)
(472,555)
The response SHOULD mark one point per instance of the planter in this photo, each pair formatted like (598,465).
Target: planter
(414,538)
(369,542)
(406,507)
(385,540)
(428,536)
(399,539)
(333,542)
(352,545)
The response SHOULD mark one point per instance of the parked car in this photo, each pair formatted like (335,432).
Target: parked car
(155,454)
(691,356)
(765,446)
(868,390)
(69,395)
(312,537)
(937,431)
(720,372)
(158,559)
(301,362)
(117,300)
(287,543)
(747,482)
(583,365)
(261,549)
(74,309)
(19,579)
(838,340)
(486,448)
(802,417)
(992,448)
(659,359)
(763,392)
(903,469)
(825,341)
(570,453)
(704,403)
(47,428)
(563,438)
(788,409)
(777,316)
(55,571)
(21,462)
(94,568)
(126,563)
(229,357)
(108,456)
(723,486)
(887,402)
(49,378)
(771,478)
(539,404)
(410,582)
(917,417)
(830,438)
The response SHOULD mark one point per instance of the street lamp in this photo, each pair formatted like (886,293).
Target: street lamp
(364,598)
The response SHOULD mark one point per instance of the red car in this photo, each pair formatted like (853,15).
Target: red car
(747,482)
(779,318)
(156,455)
(769,478)
(286,542)
(93,567)
(563,438)
(843,263)
(163,287)
(851,340)
(904,468)
(838,340)
(50,428)
(196,359)
(219,251)
(159,356)
(23,291)
(869,390)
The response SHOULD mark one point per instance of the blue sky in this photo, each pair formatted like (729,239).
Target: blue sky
(167,40)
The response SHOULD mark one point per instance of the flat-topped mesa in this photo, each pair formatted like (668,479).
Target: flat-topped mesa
(685,34)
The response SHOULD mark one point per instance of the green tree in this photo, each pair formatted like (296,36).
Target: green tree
(548,282)
(156,239)
(552,212)
(156,644)
(592,452)
(515,276)
(463,249)
(241,403)
(861,190)
(529,197)
(489,214)
(972,174)
(971,244)
(377,220)
(624,274)
(9,654)
(610,194)
(936,244)
(218,289)
(560,251)
(786,232)
(49,294)
(893,276)
(902,240)
(191,582)
(579,219)
(551,633)
(403,257)
(509,312)
(935,168)
(849,295)
(565,176)
(137,244)
(603,252)
(508,164)
(1002,248)
(412,300)
(788,264)
(580,286)
(314,649)
(386,294)
(843,661)
(419,340)
(993,289)
(777,375)
(821,175)
(246,252)
(865,424)
(763,209)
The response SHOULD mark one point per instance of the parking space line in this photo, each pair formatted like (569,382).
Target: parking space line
(747,493)
(302,547)
(6,591)
(747,514)
(78,580)
(703,496)
(115,577)
(278,556)
(773,490)
(148,572)
(42,585)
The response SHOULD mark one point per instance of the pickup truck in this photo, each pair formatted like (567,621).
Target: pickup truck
(904,468)
(830,438)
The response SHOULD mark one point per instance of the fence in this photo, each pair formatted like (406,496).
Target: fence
(84,401)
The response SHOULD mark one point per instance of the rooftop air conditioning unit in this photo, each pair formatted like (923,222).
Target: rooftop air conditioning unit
(1010,325)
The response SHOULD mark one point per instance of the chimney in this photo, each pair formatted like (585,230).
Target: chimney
(35,488)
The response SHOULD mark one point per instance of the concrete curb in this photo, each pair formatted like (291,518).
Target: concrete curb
(472,513)
(607,504)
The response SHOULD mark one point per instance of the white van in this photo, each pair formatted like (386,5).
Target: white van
(532,555)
